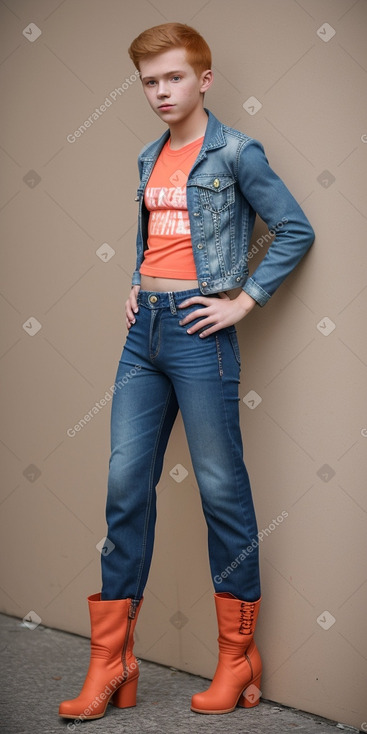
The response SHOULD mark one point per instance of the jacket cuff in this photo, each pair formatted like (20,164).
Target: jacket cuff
(256,292)
(136,279)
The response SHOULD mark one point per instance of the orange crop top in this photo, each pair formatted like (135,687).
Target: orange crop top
(169,253)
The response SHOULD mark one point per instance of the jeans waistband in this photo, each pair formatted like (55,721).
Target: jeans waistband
(165,299)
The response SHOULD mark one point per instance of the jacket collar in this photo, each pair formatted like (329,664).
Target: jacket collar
(214,138)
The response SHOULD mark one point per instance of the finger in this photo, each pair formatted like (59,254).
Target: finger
(134,302)
(200,325)
(194,315)
(191,301)
(128,311)
(130,315)
(212,330)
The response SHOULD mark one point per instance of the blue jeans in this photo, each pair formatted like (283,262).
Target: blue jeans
(163,369)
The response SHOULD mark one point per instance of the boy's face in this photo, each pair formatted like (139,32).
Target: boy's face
(171,85)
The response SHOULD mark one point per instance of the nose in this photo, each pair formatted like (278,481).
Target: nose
(163,90)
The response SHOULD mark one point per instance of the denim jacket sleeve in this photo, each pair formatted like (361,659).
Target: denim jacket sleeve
(136,277)
(273,202)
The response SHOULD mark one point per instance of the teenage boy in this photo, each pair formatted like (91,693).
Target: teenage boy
(201,185)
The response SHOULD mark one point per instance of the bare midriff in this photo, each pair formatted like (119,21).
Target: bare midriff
(164,285)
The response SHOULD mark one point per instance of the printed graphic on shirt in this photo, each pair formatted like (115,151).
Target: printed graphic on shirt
(168,208)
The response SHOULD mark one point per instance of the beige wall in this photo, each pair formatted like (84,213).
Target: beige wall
(304,354)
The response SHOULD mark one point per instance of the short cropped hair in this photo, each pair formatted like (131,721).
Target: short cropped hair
(163,37)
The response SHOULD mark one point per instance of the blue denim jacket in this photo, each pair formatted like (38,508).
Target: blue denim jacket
(228,184)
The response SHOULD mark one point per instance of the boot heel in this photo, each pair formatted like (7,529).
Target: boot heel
(125,696)
(251,695)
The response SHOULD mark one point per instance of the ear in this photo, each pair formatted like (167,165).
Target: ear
(206,80)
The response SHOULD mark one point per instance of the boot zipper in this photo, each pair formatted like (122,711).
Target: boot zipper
(132,609)
(131,615)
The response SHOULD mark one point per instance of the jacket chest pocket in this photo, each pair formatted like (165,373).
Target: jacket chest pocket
(216,193)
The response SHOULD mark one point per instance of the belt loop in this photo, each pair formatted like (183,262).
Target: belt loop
(172,304)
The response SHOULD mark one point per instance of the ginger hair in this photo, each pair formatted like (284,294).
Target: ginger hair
(163,37)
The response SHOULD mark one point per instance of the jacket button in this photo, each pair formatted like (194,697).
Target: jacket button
(136,198)
(216,183)
(238,279)
(200,246)
(153,299)
(204,284)
(196,214)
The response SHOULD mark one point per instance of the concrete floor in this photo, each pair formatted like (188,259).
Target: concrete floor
(41,667)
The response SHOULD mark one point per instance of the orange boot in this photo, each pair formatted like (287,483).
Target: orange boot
(113,669)
(238,674)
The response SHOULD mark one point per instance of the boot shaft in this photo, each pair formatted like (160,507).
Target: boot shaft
(112,622)
(236,621)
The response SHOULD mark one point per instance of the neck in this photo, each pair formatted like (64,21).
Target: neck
(188,130)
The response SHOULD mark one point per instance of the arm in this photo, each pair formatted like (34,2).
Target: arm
(270,198)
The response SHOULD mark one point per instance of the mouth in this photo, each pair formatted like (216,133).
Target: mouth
(164,107)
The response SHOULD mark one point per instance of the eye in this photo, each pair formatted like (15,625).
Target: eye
(150,83)
(176,78)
